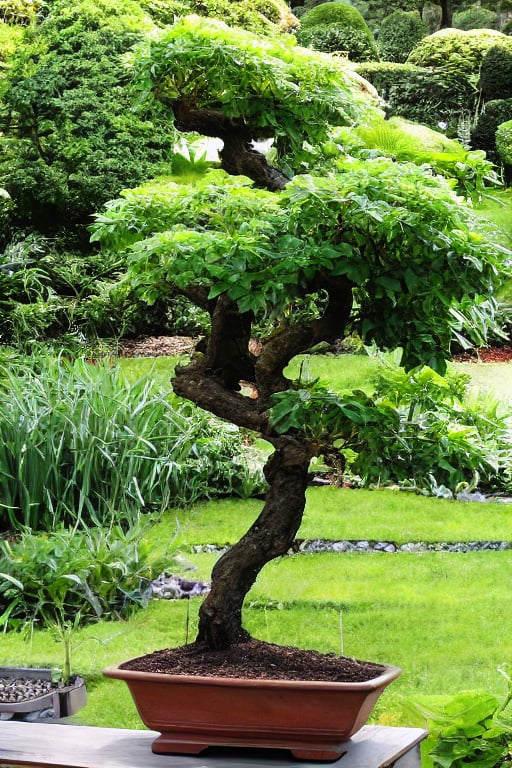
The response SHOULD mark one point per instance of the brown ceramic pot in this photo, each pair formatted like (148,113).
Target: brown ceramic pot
(312,719)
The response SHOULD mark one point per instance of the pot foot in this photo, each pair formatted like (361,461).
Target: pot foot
(165,745)
(318,755)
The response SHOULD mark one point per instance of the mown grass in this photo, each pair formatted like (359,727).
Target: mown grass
(445,618)
(344,513)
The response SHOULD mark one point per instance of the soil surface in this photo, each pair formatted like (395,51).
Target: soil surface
(256,660)
(487,355)
(154,346)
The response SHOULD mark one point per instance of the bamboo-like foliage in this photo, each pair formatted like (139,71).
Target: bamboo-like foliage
(78,443)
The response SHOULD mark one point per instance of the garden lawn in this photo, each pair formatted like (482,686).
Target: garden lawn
(445,618)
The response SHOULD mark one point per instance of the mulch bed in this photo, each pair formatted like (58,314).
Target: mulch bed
(155,346)
(487,355)
(256,660)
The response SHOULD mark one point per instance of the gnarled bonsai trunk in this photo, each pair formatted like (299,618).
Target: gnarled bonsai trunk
(272,535)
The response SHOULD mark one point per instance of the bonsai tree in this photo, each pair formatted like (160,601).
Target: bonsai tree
(383,248)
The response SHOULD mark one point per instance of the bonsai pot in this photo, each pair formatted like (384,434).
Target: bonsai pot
(311,719)
(63,700)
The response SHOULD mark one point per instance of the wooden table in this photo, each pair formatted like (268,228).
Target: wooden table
(56,745)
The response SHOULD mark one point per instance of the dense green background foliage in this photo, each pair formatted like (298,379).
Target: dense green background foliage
(496,73)
(399,33)
(71,137)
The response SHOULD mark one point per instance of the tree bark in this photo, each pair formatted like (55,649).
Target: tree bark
(272,535)
(238,157)
(446,14)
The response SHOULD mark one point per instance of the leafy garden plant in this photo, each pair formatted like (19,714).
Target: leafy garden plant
(76,576)
(470,728)
(80,444)
(381,248)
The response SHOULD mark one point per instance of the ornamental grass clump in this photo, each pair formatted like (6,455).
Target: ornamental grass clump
(80,444)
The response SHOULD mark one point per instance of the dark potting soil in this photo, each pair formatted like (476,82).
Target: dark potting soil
(256,660)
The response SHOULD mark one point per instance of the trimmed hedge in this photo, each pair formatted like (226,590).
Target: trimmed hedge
(356,44)
(422,95)
(484,134)
(399,33)
(504,148)
(496,72)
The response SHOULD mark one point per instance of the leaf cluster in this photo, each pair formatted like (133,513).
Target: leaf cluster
(48,579)
(470,728)
(404,141)
(400,235)
(416,429)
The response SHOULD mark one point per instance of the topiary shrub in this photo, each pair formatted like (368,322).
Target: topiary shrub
(356,44)
(422,95)
(399,33)
(483,135)
(337,12)
(496,72)
(475,17)
(337,26)
(504,142)
(259,16)
(71,139)
(455,50)
(504,147)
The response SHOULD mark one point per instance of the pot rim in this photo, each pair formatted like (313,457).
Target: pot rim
(115,671)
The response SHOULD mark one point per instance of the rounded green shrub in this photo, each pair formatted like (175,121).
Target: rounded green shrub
(337,26)
(337,12)
(483,135)
(259,16)
(475,17)
(455,50)
(356,44)
(399,33)
(507,27)
(496,73)
(504,148)
(73,139)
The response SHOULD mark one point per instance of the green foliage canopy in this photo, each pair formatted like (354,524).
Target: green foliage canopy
(403,239)
(271,87)
(456,50)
